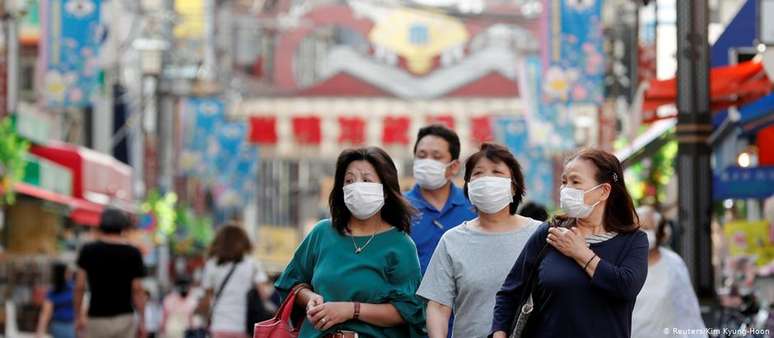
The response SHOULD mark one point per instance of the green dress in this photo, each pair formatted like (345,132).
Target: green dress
(387,271)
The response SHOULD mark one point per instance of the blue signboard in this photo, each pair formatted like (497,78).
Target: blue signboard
(743,183)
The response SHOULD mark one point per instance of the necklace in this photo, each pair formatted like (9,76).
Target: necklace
(359,249)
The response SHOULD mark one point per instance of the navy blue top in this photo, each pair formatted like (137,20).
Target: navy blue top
(63,304)
(569,303)
(431,224)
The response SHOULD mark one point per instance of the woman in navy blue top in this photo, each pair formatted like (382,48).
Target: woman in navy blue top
(58,309)
(595,261)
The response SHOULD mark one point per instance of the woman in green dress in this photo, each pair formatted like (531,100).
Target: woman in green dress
(361,266)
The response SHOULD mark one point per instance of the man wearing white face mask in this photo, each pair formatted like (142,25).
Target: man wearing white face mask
(667,299)
(473,259)
(440,203)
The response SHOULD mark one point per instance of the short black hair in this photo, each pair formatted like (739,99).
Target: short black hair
(114,221)
(534,210)
(499,154)
(397,211)
(443,132)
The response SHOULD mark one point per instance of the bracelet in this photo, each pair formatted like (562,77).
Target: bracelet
(589,262)
(356,314)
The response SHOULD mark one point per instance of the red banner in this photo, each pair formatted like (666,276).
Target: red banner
(352,130)
(446,120)
(396,130)
(481,129)
(263,130)
(306,130)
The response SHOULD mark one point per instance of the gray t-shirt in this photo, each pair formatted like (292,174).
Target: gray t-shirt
(467,269)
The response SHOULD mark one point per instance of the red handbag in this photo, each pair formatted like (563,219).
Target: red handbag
(282,325)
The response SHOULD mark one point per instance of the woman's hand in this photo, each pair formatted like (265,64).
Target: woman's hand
(499,334)
(570,242)
(314,300)
(326,315)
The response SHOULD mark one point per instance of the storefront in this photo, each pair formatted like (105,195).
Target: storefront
(59,202)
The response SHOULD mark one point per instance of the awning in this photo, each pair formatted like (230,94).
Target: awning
(97,178)
(729,86)
(647,143)
(80,211)
(757,115)
(743,183)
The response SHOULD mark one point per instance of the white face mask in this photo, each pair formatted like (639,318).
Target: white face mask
(490,194)
(651,238)
(430,174)
(571,201)
(364,199)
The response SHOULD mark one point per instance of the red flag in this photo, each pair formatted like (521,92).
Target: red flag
(306,130)
(351,130)
(396,130)
(263,130)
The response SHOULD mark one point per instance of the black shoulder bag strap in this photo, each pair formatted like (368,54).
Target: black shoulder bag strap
(531,280)
(222,287)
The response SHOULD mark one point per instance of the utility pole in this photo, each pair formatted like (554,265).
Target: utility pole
(693,130)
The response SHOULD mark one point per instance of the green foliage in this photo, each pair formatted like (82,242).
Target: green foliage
(12,159)
(163,208)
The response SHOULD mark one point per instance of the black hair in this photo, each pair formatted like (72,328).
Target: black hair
(396,210)
(58,277)
(499,154)
(114,221)
(443,132)
(620,215)
(534,210)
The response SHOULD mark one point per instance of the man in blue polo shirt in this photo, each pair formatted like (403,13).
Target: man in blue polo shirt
(441,204)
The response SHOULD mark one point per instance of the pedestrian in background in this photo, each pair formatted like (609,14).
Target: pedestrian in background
(440,203)
(358,271)
(113,270)
(584,271)
(667,300)
(57,316)
(153,314)
(179,307)
(535,211)
(473,259)
(229,275)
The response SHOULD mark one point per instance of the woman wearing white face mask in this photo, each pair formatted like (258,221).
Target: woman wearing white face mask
(580,274)
(667,299)
(358,272)
(472,259)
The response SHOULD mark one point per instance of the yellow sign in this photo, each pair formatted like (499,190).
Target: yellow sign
(418,36)
(750,238)
(276,245)
(191,14)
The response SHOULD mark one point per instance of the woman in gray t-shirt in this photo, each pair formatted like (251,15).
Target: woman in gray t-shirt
(472,260)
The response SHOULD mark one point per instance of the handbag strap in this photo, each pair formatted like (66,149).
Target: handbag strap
(532,277)
(222,287)
(286,309)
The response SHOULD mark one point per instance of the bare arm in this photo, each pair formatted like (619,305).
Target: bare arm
(382,315)
(45,317)
(80,290)
(438,319)
(138,300)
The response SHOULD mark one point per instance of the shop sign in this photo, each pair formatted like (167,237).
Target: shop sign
(48,175)
(276,245)
(750,239)
(741,183)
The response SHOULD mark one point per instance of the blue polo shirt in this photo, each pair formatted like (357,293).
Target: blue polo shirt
(431,224)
